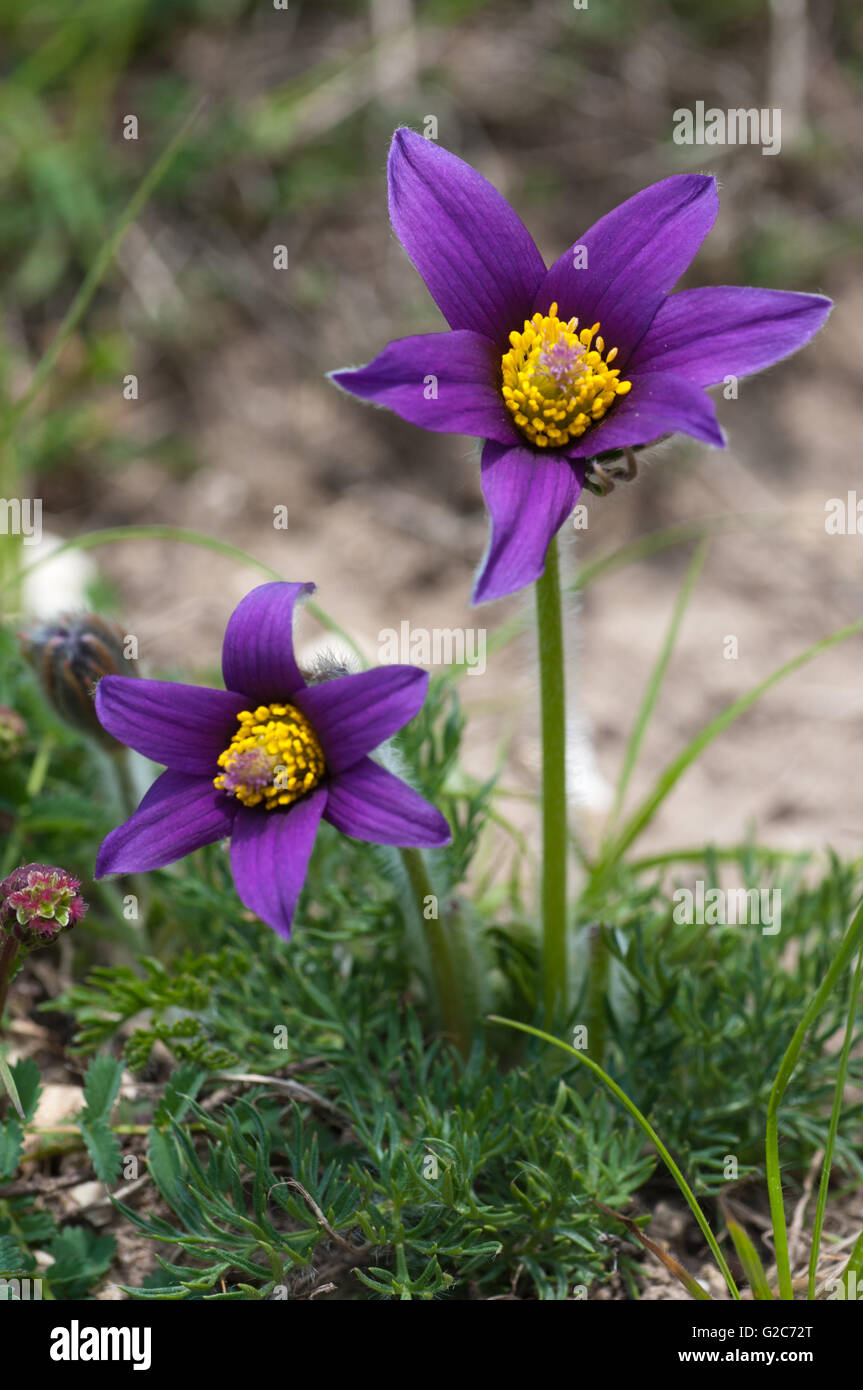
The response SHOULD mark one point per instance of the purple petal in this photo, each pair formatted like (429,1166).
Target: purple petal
(727,330)
(258,651)
(353,715)
(371,804)
(179,814)
(635,255)
(448,382)
(185,727)
(529,495)
(659,403)
(270,855)
(475,255)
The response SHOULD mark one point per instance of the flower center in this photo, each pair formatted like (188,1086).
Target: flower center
(557,381)
(274,757)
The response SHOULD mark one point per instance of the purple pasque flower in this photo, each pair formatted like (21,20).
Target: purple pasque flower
(263,760)
(38,902)
(555,367)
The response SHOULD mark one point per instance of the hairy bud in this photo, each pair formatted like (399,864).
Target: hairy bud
(70,657)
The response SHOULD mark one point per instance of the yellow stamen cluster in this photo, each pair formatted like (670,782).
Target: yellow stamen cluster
(557,381)
(274,757)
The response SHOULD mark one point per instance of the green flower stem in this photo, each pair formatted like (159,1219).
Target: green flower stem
(554,829)
(455,1016)
(9,949)
(599,961)
(35,783)
(8,952)
(129,797)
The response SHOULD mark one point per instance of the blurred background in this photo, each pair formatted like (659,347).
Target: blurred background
(569,111)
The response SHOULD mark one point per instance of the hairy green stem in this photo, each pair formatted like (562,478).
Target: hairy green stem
(129,884)
(598,963)
(129,797)
(549,620)
(455,1015)
(8,952)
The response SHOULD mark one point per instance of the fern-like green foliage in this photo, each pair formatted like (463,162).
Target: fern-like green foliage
(353,1151)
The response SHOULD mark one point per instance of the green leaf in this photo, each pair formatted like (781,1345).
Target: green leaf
(752,1266)
(674,1267)
(166,1292)
(186,1081)
(101,1085)
(28,1080)
(11,1139)
(80,1259)
(8,1080)
(11,1259)
(103,1148)
(854,1266)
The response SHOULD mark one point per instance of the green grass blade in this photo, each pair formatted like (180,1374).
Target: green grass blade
(850,943)
(80,304)
(655,542)
(8,1082)
(752,1266)
(641,549)
(838,1096)
(110,535)
(729,854)
(657,676)
(854,1265)
(645,1124)
(671,775)
(674,1267)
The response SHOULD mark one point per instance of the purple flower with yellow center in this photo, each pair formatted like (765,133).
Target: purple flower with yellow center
(263,760)
(555,368)
(37,902)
